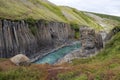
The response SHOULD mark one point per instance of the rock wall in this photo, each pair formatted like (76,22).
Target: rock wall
(16,37)
(55,33)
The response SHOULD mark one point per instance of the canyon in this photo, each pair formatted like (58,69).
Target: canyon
(27,28)
(36,38)
(19,37)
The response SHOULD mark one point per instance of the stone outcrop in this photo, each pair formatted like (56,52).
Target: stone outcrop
(17,36)
(20,60)
(90,40)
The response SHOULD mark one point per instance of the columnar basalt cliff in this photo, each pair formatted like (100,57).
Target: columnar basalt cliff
(15,38)
(18,37)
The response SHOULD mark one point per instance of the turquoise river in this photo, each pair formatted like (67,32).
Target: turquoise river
(54,56)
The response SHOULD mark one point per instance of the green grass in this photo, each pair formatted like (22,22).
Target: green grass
(75,75)
(40,9)
(89,20)
(22,73)
(17,9)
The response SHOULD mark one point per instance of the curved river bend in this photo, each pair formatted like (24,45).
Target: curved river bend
(54,56)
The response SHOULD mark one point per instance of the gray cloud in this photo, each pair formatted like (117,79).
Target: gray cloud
(111,7)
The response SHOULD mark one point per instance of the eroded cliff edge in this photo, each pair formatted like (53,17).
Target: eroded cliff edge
(23,37)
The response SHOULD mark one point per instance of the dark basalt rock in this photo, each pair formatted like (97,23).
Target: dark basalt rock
(16,37)
(98,41)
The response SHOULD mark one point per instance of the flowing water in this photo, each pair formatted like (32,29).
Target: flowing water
(54,56)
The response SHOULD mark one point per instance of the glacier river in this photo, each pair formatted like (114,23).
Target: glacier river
(54,56)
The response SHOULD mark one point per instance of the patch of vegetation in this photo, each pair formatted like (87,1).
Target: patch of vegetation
(73,75)
(68,76)
(33,29)
(77,34)
(21,73)
(76,28)
(31,21)
(32,25)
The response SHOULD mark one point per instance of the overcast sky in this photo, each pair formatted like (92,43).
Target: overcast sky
(100,6)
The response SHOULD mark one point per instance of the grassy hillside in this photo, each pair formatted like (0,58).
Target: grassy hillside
(76,17)
(43,9)
(22,9)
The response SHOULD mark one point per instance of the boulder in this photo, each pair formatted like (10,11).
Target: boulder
(20,60)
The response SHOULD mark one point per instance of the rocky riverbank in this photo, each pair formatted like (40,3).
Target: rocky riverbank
(91,43)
